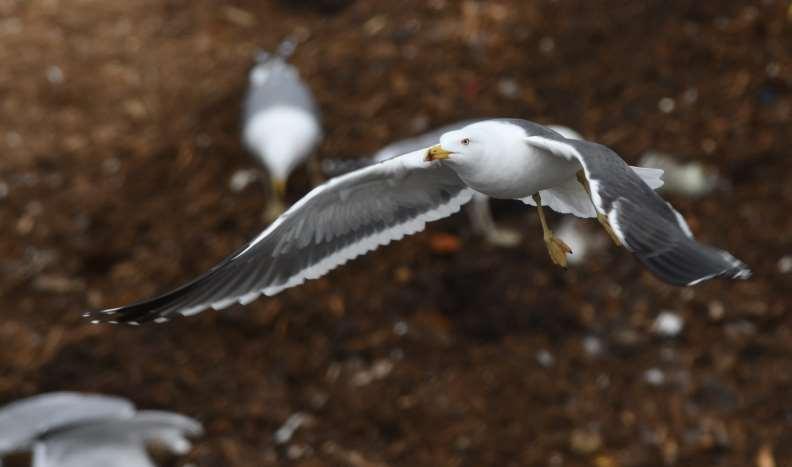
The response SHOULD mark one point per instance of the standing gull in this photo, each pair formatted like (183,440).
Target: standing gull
(505,158)
(479,210)
(280,121)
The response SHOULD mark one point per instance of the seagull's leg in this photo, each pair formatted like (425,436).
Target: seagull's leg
(555,246)
(481,219)
(315,172)
(581,176)
(275,203)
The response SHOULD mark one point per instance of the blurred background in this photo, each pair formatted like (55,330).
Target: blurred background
(120,134)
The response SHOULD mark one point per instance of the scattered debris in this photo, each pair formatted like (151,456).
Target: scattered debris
(53,283)
(444,243)
(508,88)
(655,376)
(241,179)
(401,328)
(785,264)
(284,434)
(764,458)
(55,74)
(716,310)
(666,105)
(547,45)
(585,441)
(593,346)
(239,16)
(545,358)
(111,165)
(379,370)
(668,324)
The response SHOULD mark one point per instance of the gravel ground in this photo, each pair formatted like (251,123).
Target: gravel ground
(119,129)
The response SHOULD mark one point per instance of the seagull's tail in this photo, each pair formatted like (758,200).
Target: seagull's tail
(669,250)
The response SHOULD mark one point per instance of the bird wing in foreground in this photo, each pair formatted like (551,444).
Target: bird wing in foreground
(21,422)
(120,443)
(344,218)
(646,224)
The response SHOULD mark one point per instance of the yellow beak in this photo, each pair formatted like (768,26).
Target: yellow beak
(436,153)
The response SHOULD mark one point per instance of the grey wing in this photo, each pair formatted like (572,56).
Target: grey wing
(117,442)
(647,225)
(335,167)
(429,138)
(344,218)
(23,421)
(88,453)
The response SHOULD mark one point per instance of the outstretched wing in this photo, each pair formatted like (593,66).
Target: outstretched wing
(23,421)
(119,442)
(647,225)
(344,218)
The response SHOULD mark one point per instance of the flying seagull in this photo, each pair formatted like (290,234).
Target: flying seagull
(478,210)
(504,158)
(118,442)
(23,421)
(280,121)
(66,429)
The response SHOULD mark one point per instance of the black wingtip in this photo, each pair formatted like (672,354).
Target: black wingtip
(691,263)
(121,315)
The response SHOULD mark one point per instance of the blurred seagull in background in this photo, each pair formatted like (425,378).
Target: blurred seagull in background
(692,179)
(23,422)
(280,121)
(66,429)
(504,158)
(479,210)
(116,443)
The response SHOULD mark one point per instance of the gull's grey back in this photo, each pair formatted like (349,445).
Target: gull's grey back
(531,128)
(273,82)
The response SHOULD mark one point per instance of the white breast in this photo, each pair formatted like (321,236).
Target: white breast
(282,137)
(516,171)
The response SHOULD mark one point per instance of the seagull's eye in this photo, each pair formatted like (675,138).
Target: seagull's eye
(465,141)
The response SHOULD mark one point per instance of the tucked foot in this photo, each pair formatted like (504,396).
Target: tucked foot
(273,210)
(315,172)
(558,250)
(606,225)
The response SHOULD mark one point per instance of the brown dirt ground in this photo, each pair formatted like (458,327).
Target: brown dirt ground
(119,130)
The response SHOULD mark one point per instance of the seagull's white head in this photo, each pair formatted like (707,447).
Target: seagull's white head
(477,142)
(489,156)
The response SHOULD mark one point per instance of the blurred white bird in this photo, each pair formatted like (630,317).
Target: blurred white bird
(85,430)
(479,210)
(117,443)
(692,179)
(280,121)
(24,421)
